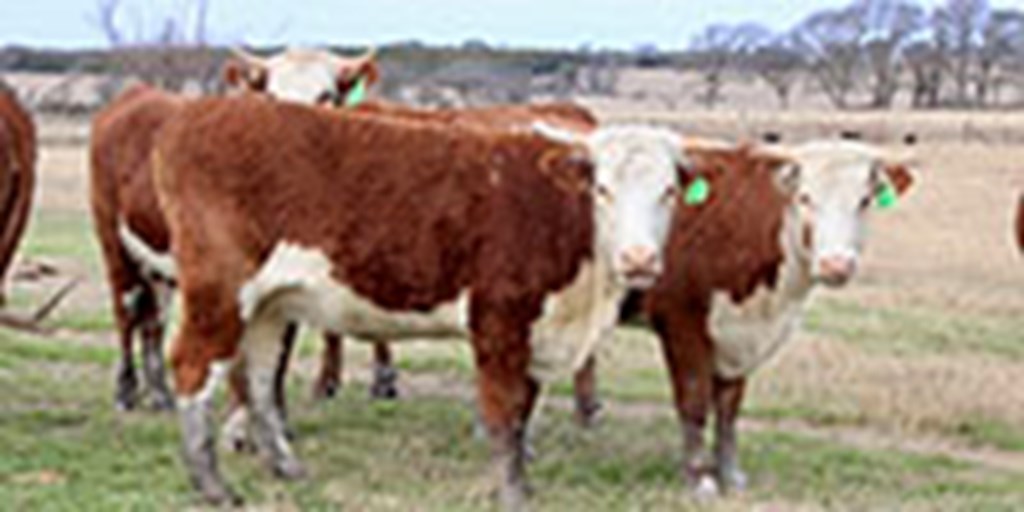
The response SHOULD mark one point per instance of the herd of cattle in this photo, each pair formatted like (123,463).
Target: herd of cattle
(529,230)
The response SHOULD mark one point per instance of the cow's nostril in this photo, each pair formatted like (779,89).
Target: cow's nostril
(639,258)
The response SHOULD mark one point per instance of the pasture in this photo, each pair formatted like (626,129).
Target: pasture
(901,392)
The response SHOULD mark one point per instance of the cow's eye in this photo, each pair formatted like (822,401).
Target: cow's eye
(325,98)
(603,193)
(669,195)
(805,200)
(865,203)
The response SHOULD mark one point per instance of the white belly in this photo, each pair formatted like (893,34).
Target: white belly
(296,283)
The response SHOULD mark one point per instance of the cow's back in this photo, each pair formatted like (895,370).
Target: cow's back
(123,135)
(410,212)
(17,174)
(506,117)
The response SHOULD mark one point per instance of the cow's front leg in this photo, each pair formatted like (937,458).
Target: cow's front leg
(261,348)
(196,376)
(728,396)
(688,357)
(507,396)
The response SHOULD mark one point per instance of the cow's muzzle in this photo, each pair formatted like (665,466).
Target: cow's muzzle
(640,266)
(835,271)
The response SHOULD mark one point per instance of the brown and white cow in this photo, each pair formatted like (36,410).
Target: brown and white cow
(740,270)
(384,377)
(17,177)
(129,223)
(566,116)
(373,226)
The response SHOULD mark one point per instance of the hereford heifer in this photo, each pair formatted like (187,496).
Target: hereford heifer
(510,117)
(129,223)
(17,177)
(740,270)
(379,227)
(567,116)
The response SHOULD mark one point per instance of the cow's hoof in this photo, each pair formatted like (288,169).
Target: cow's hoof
(220,495)
(161,402)
(289,469)
(326,389)
(385,384)
(705,489)
(588,414)
(732,480)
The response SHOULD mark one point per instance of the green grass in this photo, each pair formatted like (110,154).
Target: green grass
(61,234)
(67,449)
(911,331)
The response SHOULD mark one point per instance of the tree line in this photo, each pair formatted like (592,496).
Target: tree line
(958,54)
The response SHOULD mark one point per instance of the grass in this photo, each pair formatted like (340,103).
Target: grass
(79,454)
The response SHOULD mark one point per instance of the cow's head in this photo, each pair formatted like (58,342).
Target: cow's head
(835,185)
(303,75)
(635,189)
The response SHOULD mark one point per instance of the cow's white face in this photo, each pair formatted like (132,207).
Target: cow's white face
(836,187)
(635,188)
(302,79)
(309,76)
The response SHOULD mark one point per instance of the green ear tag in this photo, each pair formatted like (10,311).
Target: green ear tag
(886,197)
(697,193)
(357,94)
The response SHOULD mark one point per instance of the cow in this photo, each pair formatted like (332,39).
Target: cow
(373,226)
(384,378)
(17,177)
(127,219)
(1020,223)
(740,269)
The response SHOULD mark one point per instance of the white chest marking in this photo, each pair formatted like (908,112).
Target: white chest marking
(747,334)
(574,321)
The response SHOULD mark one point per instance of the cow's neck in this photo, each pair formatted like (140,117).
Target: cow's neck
(747,333)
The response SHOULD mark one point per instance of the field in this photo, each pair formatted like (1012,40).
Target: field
(902,392)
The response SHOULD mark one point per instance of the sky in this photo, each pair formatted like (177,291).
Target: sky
(623,24)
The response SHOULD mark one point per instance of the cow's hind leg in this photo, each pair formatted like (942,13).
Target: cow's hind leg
(728,395)
(127,304)
(153,322)
(329,381)
(261,348)
(585,393)
(385,376)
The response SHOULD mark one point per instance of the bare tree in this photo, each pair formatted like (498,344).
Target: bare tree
(168,51)
(890,25)
(716,49)
(832,41)
(779,64)
(958,25)
(927,65)
(1002,42)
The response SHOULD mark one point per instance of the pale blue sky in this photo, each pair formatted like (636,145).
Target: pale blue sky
(537,23)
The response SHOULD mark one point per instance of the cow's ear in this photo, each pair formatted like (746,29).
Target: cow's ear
(899,176)
(787,177)
(569,168)
(242,76)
